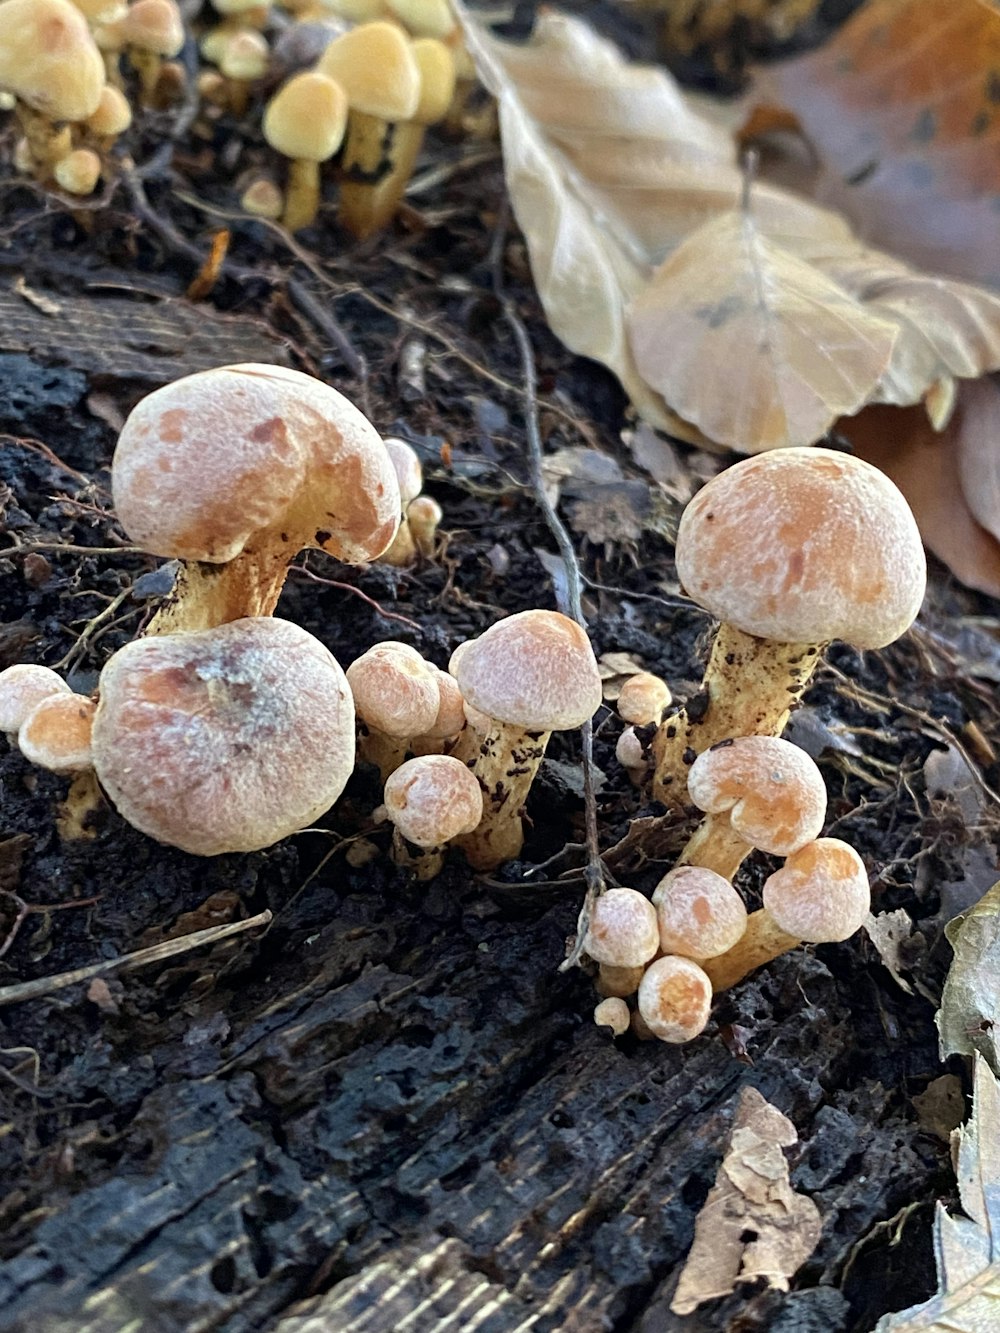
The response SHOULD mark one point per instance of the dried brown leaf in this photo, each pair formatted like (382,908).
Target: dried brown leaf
(752,1225)
(970,1003)
(888,931)
(967,1244)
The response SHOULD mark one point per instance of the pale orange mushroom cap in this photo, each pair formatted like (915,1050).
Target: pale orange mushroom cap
(675,999)
(22,687)
(612,1013)
(536,670)
(409,472)
(56,734)
(155,26)
(374,64)
(306,118)
(803,546)
(213,458)
(49,59)
(224,739)
(699,913)
(642,698)
(395,690)
(623,930)
(451,707)
(772,789)
(433,799)
(821,894)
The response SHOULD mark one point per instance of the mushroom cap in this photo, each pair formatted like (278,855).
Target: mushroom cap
(409,472)
(246,56)
(395,691)
(102,11)
(612,1013)
(437,79)
(802,546)
(675,999)
(424,18)
(700,914)
(113,114)
(536,670)
(623,930)
(642,698)
(206,462)
(57,733)
(433,799)
(78,172)
(306,117)
(155,26)
(773,790)
(375,66)
(451,707)
(48,58)
(22,687)
(821,894)
(224,739)
(629,751)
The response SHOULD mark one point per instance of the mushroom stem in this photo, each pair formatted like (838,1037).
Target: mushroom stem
(369,155)
(46,143)
(506,766)
(715,845)
(302,194)
(763,942)
(84,799)
(378,748)
(205,595)
(424,862)
(366,207)
(749,688)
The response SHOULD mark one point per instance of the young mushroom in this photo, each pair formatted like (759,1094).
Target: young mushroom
(532,674)
(22,687)
(623,931)
(643,698)
(449,721)
(151,32)
(431,800)
(788,549)
(699,913)
(612,1013)
(305,121)
(234,471)
(397,697)
(56,734)
(675,998)
(758,791)
(225,739)
(820,895)
(423,518)
(410,476)
(78,172)
(50,63)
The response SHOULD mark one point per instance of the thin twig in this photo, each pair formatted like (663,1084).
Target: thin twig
(31,990)
(594,870)
(349,587)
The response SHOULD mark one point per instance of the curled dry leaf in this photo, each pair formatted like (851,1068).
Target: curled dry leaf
(613,172)
(902,109)
(970,1003)
(967,1244)
(753,1224)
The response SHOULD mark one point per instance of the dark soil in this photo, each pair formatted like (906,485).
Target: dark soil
(391,1110)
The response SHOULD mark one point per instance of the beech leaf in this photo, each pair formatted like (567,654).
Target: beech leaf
(752,1225)
(967,1244)
(970,1003)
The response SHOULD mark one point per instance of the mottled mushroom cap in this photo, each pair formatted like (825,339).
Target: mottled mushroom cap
(48,58)
(773,791)
(535,670)
(675,999)
(642,698)
(224,739)
(433,799)
(395,690)
(623,930)
(374,65)
(57,733)
(306,117)
(802,546)
(821,894)
(22,687)
(207,462)
(700,914)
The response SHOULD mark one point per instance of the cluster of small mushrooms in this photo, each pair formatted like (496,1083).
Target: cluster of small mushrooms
(233,471)
(356,79)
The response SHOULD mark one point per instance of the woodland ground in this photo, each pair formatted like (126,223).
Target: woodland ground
(391,1101)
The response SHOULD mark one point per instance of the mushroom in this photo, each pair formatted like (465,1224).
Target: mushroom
(263,198)
(759,791)
(375,66)
(410,476)
(431,800)
(225,739)
(449,721)
(423,517)
(699,913)
(22,687)
(612,1013)
(243,61)
(305,120)
(643,698)
(533,673)
(788,549)
(234,471)
(632,752)
(151,31)
(675,998)
(112,117)
(820,895)
(397,697)
(623,931)
(367,206)
(56,734)
(50,63)
(78,172)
